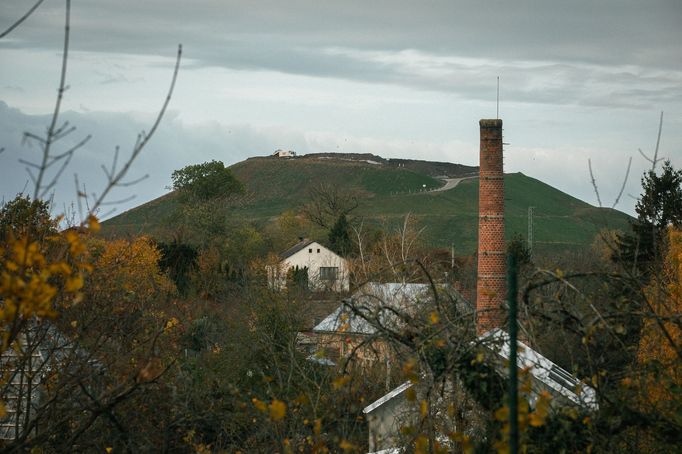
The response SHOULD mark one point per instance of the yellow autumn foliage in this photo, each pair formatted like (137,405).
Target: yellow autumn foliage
(661,339)
(127,271)
(527,416)
(34,273)
(277,410)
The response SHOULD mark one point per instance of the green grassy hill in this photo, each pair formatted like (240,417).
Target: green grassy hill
(388,192)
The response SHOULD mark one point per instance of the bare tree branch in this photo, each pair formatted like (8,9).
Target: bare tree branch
(327,204)
(142,140)
(655,159)
(625,180)
(49,139)
(594,182)
(21,19)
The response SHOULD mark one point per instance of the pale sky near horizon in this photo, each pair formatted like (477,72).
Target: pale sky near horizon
(579,80)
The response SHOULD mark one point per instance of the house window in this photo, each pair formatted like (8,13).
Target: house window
(310,251)
(318,250)
(328,273)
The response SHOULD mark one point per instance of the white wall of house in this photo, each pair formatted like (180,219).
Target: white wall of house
(386,417)
(326,270)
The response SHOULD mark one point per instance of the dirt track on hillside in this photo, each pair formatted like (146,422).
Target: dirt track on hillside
(451,183)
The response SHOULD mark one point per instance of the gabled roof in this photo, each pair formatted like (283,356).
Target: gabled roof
(381,304)
(295,248)
(383,399)
(376,302)
(541,368)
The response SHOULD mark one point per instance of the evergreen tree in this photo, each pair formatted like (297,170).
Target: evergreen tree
(178,260)
(659,207)
(339,236)
(298,278)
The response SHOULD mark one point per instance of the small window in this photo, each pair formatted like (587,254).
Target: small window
(310,251)
(318,250)
(328,273)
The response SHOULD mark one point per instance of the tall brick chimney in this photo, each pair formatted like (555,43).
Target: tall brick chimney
(491,285)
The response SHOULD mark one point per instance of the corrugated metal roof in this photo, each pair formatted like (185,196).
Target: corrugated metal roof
(376,302)
(543,369)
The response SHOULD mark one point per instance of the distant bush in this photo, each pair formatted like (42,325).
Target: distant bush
(207,181)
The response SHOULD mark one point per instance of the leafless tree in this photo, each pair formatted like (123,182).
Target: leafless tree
(328,203)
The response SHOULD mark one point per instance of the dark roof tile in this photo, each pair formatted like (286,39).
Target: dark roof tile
(294,249)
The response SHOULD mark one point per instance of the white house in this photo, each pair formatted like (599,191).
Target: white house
(284,154)
(325,269)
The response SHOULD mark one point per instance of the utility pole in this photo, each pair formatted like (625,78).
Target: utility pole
(530,229)
(452,257)
(513,371)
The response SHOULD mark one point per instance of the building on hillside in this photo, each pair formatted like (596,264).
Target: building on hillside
(320,267)
(283,154)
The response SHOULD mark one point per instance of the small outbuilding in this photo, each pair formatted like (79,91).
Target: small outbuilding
(283,154)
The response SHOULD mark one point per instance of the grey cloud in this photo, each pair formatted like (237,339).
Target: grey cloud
(574,45)
(14,88)
(611,32)
(112,78)
(174,146)
(622,54)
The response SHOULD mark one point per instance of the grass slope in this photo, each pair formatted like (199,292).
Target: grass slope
(389,193)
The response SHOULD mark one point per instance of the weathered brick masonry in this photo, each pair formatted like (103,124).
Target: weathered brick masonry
(491,287)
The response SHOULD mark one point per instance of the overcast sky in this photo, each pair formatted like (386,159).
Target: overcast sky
(578,80)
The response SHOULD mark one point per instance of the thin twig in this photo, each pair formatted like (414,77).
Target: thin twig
(655,159)
(60,94)
(29,135)
(658,142)
(142,140)
(625,180)
(21,19)
(119,201)
(594,182)
(52,183)
(79,195)
(133,182)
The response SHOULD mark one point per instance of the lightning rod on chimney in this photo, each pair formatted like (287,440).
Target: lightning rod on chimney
(497,111)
